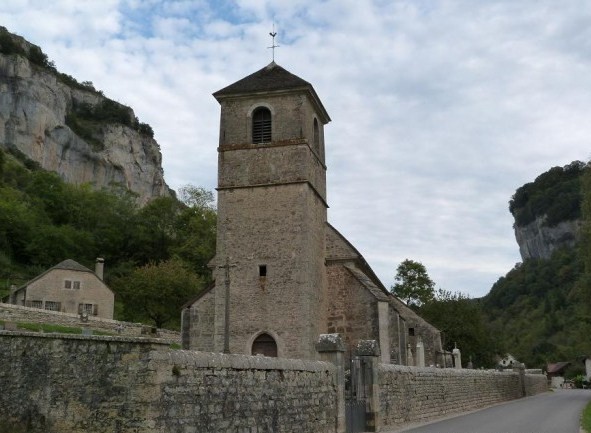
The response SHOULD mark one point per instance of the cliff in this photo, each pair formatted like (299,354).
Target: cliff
(71,128)
(538,241)
(547,211)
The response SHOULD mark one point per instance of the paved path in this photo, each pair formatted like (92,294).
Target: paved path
(551,412)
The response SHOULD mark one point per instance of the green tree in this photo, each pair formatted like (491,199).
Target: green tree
(412,283)
(461,321)
(156,292)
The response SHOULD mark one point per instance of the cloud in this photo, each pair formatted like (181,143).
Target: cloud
(440,109)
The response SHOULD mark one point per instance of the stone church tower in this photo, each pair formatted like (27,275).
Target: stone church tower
(283,275)
(269,266)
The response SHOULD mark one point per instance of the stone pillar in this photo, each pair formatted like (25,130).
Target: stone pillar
(332,349)
(384,330)
(409,359)
(368,352)
(520,369)
(457,356)
(420,352)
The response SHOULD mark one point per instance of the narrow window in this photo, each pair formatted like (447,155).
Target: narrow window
(316,136)
(411,332)
(261,125)
(67,284)
(262,270)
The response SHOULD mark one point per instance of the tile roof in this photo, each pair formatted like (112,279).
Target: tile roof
(272,77)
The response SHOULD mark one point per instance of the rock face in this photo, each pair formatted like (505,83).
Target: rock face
(537,241)
(34,104)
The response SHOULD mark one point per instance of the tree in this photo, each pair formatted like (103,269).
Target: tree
(412,283)
(157,291)
(461,321)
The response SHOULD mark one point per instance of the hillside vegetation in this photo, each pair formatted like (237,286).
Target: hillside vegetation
(44,220)
(541,308)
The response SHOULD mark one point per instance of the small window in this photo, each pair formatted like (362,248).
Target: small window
(261,125)
(76,285)
(52,306)
(264,345)
(67,284)
(316,135)
(411,332)
(262,270)
(34,304)
(87,309)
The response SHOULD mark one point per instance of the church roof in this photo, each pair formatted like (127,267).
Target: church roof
(271,78)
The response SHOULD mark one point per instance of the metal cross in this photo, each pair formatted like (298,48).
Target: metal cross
(273,46)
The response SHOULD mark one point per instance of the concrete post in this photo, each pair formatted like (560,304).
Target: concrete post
(332,349)
(420,352)
(368,352)
(457,356)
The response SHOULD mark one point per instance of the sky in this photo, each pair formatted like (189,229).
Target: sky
(440,109)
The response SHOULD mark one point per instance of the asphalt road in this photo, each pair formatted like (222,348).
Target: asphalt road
(551,412)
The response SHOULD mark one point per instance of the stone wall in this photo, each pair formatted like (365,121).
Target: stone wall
(411,394)
(17,313)
(67,384)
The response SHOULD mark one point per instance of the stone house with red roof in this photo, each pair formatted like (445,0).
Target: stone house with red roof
(283,275)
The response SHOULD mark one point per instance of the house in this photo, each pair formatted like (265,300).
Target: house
(555,373)
(68,287)
(507,361)
(284,275)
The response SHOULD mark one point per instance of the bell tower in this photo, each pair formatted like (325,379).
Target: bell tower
(269,270)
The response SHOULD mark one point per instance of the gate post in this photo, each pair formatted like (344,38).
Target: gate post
(369,353)
(331,349)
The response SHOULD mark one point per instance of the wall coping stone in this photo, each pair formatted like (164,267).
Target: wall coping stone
(330,343)
(238,362)
(103,338)
(393,368)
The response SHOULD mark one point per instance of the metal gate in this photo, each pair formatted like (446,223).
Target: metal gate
(355,395)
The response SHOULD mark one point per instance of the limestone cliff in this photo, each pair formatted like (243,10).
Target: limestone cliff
(538,241)
(38,106)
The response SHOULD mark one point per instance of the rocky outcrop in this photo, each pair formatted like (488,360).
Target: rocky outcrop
(538,241)
(34,104)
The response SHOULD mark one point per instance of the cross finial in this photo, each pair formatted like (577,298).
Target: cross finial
(273,46)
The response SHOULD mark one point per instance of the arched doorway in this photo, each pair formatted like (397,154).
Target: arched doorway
(265,345)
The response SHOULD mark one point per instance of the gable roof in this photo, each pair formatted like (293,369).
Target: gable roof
(272,78)
(68,265)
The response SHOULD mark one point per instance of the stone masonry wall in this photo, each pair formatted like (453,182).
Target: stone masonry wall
(411,394)
(70,384)
(17,313)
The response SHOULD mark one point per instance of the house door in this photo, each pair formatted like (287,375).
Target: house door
(265,345)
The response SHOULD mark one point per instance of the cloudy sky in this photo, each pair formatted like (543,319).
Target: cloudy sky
(440,109)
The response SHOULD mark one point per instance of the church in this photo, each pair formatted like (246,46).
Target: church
(282,274)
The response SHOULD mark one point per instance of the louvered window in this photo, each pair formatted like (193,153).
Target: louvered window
(261,125)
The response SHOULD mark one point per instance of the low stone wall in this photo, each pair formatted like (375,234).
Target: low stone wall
(69,384)
(411,394)
(17,313)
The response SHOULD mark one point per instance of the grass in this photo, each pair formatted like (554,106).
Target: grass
(586,418)
(45,327)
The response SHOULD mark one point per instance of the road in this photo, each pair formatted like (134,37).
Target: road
(551,412)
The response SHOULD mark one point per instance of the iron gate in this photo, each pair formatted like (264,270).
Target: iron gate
(355,395)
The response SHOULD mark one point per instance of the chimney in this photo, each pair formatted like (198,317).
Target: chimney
(99,267)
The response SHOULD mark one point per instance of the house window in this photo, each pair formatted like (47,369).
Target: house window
(88,309)
(261,125)
(52,306)
(411,332)
(67,284)
(34,304)
(262,270)
(76,285)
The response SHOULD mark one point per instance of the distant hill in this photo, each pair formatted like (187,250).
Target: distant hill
(540,309)
(70,127)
